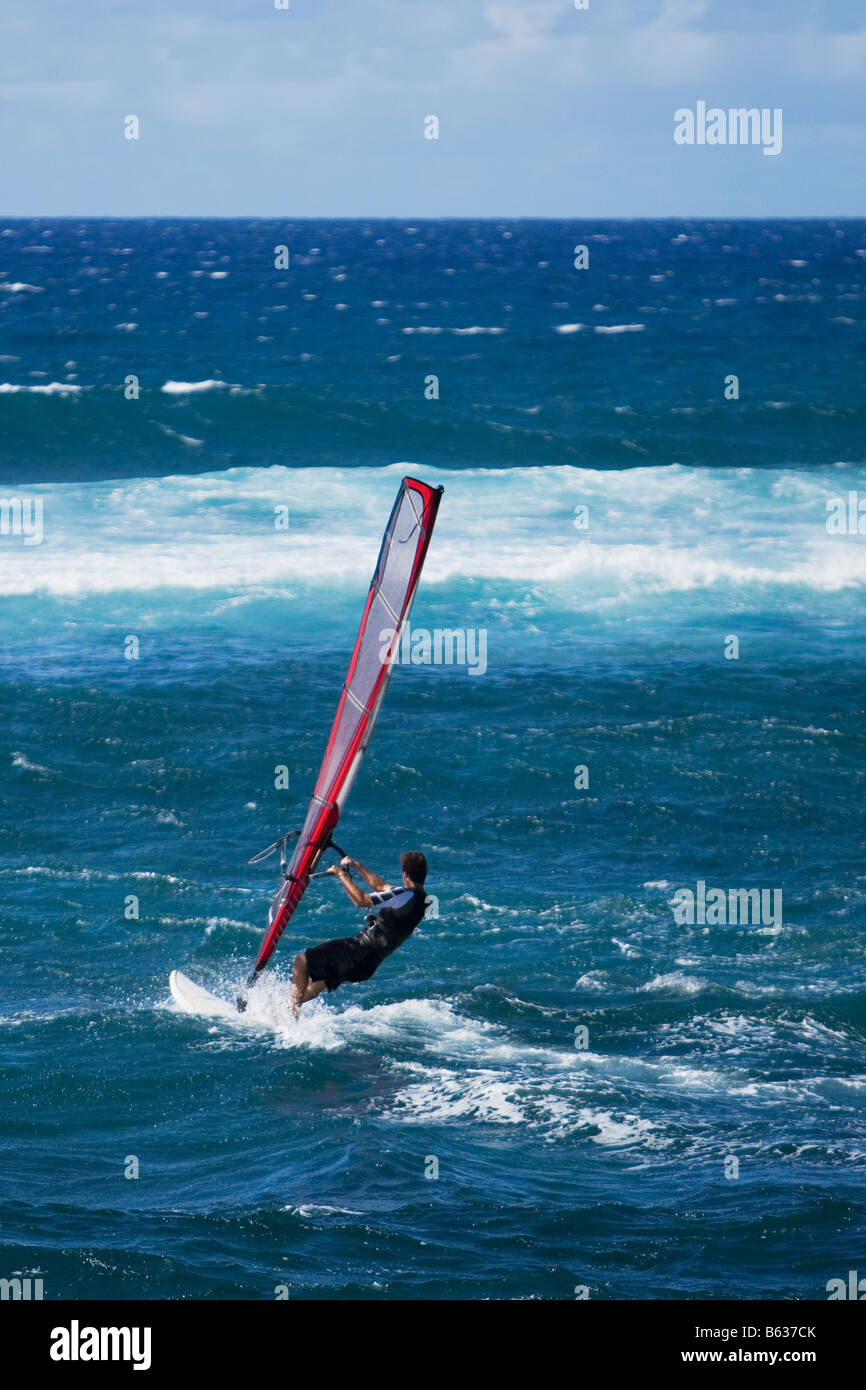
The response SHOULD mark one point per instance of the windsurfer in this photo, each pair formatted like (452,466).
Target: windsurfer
(397,912)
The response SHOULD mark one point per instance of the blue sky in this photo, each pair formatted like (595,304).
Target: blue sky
(319,110)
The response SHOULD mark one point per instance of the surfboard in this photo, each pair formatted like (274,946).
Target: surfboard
(194,999)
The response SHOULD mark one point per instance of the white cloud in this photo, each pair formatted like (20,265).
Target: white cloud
(333,94)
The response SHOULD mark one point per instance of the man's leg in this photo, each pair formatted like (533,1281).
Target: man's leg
(303,989)
(300,980)
(313,989)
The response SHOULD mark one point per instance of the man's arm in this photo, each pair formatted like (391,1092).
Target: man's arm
(372,880)
(356,893)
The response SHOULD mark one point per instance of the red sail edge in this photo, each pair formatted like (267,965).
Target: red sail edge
(392,590)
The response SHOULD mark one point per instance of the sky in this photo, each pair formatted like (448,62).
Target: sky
(319,110)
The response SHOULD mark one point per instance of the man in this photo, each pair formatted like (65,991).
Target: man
(358,957)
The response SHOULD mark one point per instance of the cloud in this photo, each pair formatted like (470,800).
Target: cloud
(535,98)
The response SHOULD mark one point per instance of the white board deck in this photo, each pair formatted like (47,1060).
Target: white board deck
(193,999)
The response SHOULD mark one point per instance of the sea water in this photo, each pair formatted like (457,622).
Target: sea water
(555,1084)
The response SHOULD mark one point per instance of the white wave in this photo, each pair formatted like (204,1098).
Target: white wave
(486,1096)
(434,1024)
(312,1209)
(676,983)
(597,980)
(215,923)
(806,1090)
(53,388)
(158,813)
(471,332)
(616,1130)
(26,1016)
(21,760)
(155,877)
(475,1064)
(619,328)
(444,1095)
(814,1031)
(569,327)
(322,1027)
(184,438)
(480,903)
(102,876)
(464,1070)
(185,388)
(692,530)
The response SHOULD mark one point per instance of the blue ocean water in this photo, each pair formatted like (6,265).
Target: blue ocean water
(707,1140)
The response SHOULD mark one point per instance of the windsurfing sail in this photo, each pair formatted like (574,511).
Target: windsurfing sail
(392,590)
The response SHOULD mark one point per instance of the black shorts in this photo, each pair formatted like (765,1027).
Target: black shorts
(346,959)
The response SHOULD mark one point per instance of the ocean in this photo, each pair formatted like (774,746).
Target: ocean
(560,1085)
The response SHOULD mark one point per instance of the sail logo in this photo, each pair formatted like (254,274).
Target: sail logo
(713,907)
(76,1343)
(23,1289)
(22,516)
(736,126)
(444,646)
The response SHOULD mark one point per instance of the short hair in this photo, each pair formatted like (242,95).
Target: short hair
(414,864)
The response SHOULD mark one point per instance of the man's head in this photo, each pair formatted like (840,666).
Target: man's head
(414,867)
